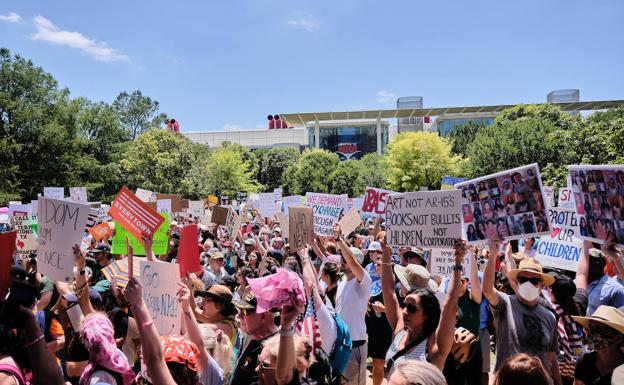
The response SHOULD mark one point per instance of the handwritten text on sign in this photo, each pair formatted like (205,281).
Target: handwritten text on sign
(443,260)
(562,249)
(61,225)
(374,203)
(159,280)
(300,222)
(430,219)
(26,241)
(327,209)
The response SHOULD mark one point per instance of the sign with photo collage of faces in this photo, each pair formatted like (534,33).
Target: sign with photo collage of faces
(510,204)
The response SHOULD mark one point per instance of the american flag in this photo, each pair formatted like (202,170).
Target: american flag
(310,327)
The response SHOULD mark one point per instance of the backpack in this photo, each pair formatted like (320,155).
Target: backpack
(341,351)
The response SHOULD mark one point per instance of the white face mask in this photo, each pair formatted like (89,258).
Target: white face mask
(528,292)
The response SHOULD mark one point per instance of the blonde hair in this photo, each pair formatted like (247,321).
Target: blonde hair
(419,373)
(219,348)
(304,356)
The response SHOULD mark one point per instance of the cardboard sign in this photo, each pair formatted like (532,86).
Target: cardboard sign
(179,206)
(291,200)
(327,209)
(562,248)
(283,221)
(429,219)
(566,198)
(443,260)
(206,219)
(159,280)
(19,209)
(54,192)
(101,231)
(164,206)
(196,208)
(219,215)
(449,181)
(266,205)
(78,194)
(144,195)
(188,251)
(134,215)
(374,203)
(549,196)
(510,204)
(232,224)
(7,247)
(301,227)
(350,222)
(61,225)
(599,201)
(159,245)
(26,242)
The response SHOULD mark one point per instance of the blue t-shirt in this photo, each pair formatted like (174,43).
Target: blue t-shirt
(606,291)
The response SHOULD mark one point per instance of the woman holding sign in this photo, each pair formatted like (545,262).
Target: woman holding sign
(421,331)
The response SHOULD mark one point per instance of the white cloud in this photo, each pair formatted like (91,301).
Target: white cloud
(384,96)
(305,22)
(99,50)
(12,17)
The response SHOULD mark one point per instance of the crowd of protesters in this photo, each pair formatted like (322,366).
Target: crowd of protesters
(378,315)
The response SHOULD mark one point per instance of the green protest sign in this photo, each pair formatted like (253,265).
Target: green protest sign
(159,247)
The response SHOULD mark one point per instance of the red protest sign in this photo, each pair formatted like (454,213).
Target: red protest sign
(134,215)
(100,231)
(7,248)
(188,251)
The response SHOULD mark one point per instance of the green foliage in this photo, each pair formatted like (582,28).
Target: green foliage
(419,159)
(462,136)
(272,165)
(347,179)
(222,172)
(137,113)
(310,172)
(374,171)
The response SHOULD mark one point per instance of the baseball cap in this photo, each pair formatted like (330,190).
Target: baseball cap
(100,248)
(359,256)
(248,301)
(249,242)
(374,246)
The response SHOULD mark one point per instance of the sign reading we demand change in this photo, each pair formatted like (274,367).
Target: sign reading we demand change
(428,219)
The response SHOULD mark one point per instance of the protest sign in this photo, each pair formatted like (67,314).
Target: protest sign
(291,200)
(7,247)
(374,203)
(134,215)
(266,205)
(349,222)
(443,260)
(159,245)
(100,231)
(301,227)
(599,201)
(327,209)
(60,226)
(103,213)
(196,208)
(54,192)
(159,280)
(164,206)
(277,192)
(232,223)
(448,182)
(283,221)
(562,248)
(75,317)
(566,198)
(26,242)
(429,219)
(219,215)
(509,204)
(144,195)
(78,194)
(549,196)
(19,209)
(188,250)
(206,219)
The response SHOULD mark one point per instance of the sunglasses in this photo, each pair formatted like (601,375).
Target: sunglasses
(411,308)
(265,366)
(534,280)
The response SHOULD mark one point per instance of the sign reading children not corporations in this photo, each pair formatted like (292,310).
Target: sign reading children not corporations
(429,219)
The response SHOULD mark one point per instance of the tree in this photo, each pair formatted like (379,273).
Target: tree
(222,172)
(462,136)
(374,172)
(137,113)
(419,159)
(310,172)
(272,165)
(158,160)
(347,179)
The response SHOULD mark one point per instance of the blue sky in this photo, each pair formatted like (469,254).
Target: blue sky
(225,64)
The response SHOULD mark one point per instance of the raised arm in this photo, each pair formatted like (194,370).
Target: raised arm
(286,355)
(189,323)
(393,310)
(347,254)
(150,340)
(475,286)
(82,286)
(489,291)
(582,270)
(147,241)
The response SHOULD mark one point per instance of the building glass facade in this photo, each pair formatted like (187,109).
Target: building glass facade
(349,142)
(445,126)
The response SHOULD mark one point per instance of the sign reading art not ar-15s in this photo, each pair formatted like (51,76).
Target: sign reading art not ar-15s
(429,219)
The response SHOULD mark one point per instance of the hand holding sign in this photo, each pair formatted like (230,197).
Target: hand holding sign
(134,292)
(130,255)
(80,258)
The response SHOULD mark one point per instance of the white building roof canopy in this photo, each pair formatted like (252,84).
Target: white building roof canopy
(305,117)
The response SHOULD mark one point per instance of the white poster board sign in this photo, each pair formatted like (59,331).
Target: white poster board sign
(196,208)
(164,206)
(549,196)
(266,205)
(277,192)
(374,202)
(54,192)
(20,209)
(291,200)
(428,219)
(283,221)
(326,209)
(566,198)
(144,195)
(509,204)
(61,226)
(26,241)
(443,260)
(78,195)
(159,280)
(350,222)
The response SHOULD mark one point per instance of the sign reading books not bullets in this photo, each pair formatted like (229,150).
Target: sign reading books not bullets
(509,204)
(428,219)
(598,195)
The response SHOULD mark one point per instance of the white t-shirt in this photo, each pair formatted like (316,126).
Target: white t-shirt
(352,302)
(100,377)
(327,328)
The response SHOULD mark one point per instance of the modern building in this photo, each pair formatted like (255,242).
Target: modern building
(415,123)
(253,139)
(350,139)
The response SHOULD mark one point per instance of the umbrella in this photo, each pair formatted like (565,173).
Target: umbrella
(119,270)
